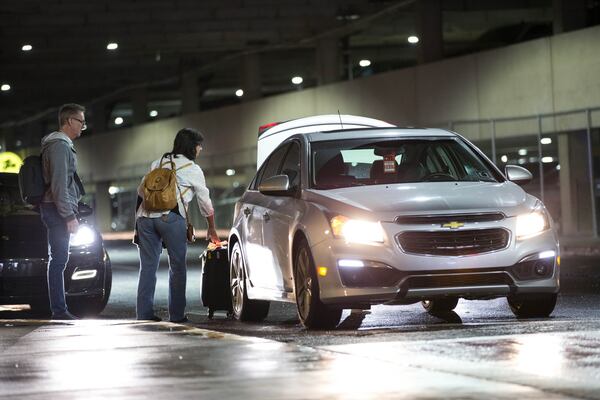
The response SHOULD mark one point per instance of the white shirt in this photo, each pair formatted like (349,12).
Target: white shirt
(190,180)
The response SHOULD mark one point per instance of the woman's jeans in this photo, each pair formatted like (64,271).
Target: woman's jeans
(58,242)
(152,232)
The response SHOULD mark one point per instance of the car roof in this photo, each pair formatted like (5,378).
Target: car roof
(379,133)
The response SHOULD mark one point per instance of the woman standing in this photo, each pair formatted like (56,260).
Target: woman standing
(169,228)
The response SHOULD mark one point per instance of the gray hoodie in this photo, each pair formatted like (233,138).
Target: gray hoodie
(60,165)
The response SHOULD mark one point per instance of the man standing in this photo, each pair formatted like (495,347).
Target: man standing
(59,205)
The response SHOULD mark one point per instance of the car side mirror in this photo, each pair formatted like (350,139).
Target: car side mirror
(278,185)
(518,175)
(85,210)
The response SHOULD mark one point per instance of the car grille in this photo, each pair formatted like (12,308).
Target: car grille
(454,243)
(443,219)
(457,280)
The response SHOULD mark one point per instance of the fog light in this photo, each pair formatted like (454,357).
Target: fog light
(85,274)
(351,263)
(540,269)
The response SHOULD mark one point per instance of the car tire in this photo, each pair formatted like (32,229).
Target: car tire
(532,305)
(40,308)
(440,306)
(244,309)
(313,314)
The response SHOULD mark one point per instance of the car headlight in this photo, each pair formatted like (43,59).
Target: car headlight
(84,236)
(532,224)
(356,231)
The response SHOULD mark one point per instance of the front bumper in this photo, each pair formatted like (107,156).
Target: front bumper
(392,276)
(24,280)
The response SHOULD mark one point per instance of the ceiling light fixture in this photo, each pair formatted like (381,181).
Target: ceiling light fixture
(364,63)
(5,87)
(546,140)
(112,46)
(153,113)
(118,121)
(413,39)
(27,47)
(239,93)
(297,80)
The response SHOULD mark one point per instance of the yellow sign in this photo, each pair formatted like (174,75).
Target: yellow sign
(453,225)
(10,162)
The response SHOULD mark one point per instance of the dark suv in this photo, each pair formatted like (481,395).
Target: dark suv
(24,258)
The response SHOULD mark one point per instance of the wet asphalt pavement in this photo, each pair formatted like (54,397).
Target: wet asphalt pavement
(479,351)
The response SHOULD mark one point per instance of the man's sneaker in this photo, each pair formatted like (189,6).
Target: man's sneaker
(64,316)
(182,320)
(154,318)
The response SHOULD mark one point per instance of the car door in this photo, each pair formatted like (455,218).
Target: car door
(260,265)
(281,212)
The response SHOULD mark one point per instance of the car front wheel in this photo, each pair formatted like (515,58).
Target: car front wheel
(440,306)
(532,305)
(244,309)
(313,314)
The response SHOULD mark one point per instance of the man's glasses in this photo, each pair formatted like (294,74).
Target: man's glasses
(82,122)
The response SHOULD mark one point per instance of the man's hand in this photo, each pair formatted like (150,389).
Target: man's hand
(211,235)
(73,225)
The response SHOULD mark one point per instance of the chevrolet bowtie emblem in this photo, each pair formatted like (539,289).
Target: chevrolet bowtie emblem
(453,225)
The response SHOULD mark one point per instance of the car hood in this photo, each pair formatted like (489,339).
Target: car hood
(22,235)
(389,201)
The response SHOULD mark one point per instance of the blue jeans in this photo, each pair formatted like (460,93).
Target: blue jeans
(152,232)
(58,243)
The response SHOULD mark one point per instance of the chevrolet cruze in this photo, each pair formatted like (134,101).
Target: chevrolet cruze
(356,217)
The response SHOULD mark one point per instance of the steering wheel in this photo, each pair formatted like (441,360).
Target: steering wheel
(439,176)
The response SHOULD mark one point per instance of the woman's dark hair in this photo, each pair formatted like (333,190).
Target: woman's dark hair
(185,143)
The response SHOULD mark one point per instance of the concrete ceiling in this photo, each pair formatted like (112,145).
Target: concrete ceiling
(160,39)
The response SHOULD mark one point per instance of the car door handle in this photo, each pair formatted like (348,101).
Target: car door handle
(266,216)
(247,211)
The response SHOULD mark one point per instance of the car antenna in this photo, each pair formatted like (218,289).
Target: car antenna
(341,123)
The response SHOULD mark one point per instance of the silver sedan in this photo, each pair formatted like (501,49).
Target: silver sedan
(348,219)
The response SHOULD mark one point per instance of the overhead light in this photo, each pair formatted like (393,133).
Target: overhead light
(297,80)
(522,152)
(413,39)
(239,93)
(27,47)
(112,190)
(230,172)
(522,161)
(153,113)
(504,158)
(558,167)
(364,63)
(547,159)
(118,121)
(546,140)
(112,46)
(5,87)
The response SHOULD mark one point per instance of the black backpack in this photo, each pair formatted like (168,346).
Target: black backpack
(31,180)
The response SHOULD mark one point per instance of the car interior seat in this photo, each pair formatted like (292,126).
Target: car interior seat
(334,172)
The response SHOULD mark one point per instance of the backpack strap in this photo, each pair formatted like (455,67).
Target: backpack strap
(184,166)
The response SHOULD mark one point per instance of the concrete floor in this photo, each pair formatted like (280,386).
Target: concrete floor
(132,360)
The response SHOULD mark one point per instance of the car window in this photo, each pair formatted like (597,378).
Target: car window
(10,200)
(359,162)
(291,165)
(272,164)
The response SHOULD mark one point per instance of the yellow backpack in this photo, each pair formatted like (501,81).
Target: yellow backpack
(160,187)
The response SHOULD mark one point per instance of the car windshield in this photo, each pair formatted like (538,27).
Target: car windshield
(345,163)
(10,200)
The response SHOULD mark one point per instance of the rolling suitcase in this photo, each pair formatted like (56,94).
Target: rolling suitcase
(215,281)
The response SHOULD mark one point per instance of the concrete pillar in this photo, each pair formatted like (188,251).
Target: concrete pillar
(328,61)
(102,207)
(251,80)
(139,102)
(429,27)
(190,96)
(569,15)
(576,214)
(98,117)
